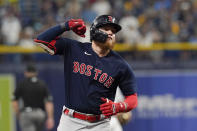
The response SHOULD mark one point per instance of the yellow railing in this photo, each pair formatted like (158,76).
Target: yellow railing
(19,49)
(118,47)
(157,46)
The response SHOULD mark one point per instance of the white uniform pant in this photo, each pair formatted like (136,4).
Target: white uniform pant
(68,123)
(115,124)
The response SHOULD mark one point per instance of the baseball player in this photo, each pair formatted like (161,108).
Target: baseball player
(92,73)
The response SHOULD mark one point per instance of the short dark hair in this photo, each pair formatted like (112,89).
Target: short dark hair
(31,68)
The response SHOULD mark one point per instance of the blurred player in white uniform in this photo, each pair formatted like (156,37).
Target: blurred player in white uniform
(120,119)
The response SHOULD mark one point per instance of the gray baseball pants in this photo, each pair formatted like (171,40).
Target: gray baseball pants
(32,120)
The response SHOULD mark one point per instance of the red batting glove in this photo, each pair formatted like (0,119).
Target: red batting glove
(110,108)
(77,26)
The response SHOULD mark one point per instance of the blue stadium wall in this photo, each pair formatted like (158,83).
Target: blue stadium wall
(167,99)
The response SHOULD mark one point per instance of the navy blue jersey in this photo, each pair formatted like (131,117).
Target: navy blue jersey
(89,77)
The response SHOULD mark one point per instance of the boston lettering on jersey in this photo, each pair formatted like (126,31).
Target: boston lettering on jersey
(89,70)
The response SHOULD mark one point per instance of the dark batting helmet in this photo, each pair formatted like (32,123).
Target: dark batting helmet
(100,21)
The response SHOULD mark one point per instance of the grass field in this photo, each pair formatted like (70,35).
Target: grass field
(6,88)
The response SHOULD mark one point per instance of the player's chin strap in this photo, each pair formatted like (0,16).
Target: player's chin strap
(99,36)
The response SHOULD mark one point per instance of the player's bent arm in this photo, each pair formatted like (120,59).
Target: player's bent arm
(131,102)
(128,104)
(47,39)
(77,26)
(50,34)
(110,108)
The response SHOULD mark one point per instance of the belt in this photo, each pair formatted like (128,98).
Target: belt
(30,109)
(87,117)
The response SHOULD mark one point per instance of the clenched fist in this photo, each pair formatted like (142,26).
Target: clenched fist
(77,26)
(110,108)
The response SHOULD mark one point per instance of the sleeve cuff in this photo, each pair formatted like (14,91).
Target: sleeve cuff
(65,26)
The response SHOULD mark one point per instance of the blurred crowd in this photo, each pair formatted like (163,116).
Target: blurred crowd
(144,22)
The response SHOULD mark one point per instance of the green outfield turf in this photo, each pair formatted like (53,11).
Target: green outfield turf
(6,88)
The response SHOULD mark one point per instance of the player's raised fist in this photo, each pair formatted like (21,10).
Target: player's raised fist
(77,26)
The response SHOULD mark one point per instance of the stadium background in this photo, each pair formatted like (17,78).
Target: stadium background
(158,40)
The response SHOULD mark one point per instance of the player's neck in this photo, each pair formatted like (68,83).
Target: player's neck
(99,50)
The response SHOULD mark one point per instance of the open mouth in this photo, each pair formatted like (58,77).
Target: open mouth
(110,38)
